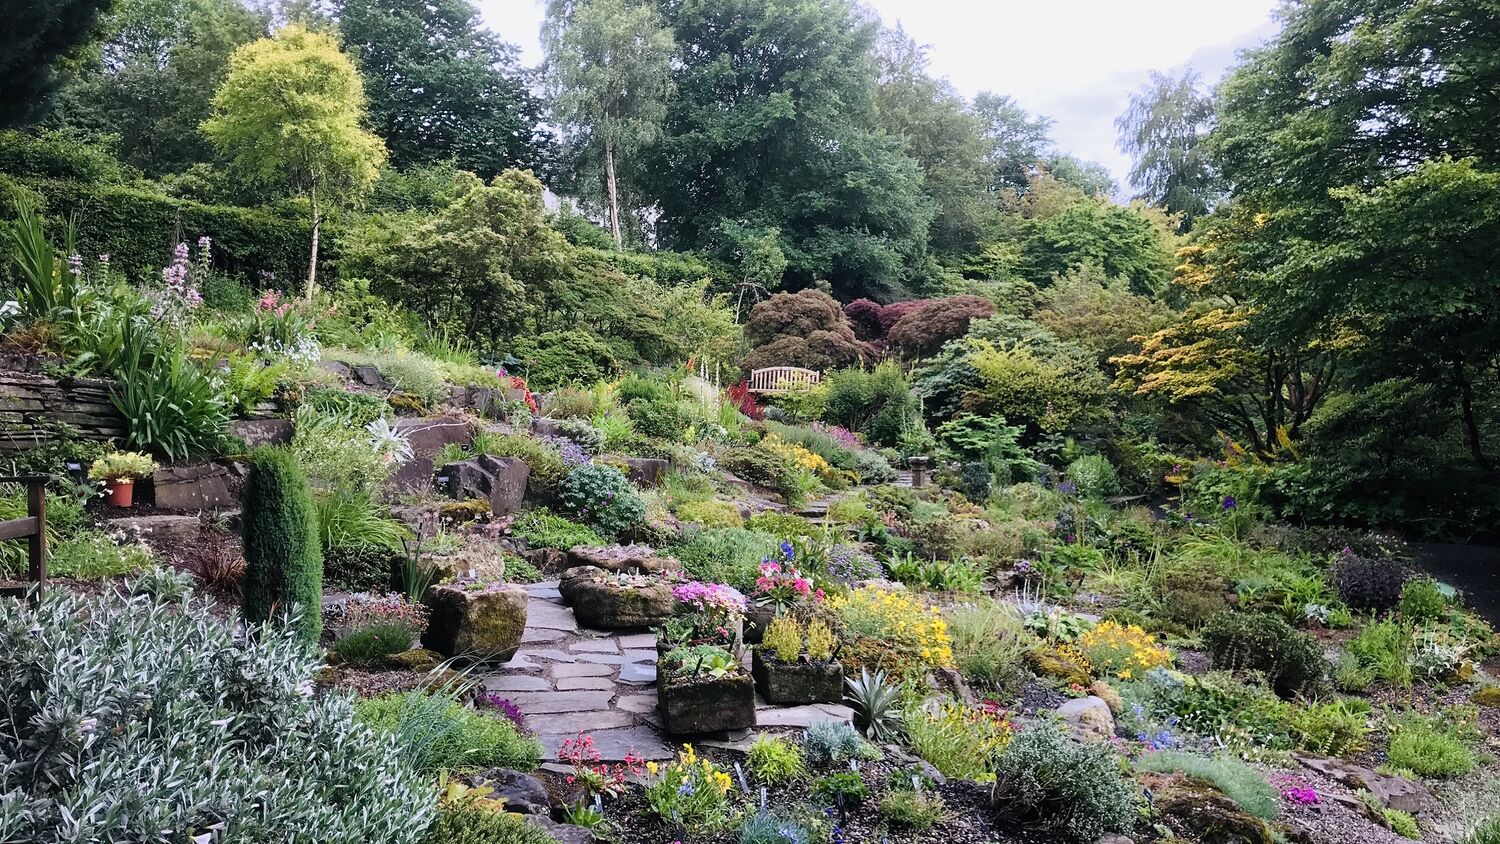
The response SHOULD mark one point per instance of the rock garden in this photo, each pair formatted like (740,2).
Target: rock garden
(874,474)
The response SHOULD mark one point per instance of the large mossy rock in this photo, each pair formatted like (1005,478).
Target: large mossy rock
(1205,815)
(1088,718)
(602,602)
(481,624)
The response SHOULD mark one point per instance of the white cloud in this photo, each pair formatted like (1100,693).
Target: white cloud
(1076,61)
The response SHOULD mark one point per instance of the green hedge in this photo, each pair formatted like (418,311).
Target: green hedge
(138,227)
(669,269)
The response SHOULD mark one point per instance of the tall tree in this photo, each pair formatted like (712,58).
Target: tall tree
(944,137)
(1016,140)
(288,117)
(36,37)
(609,75)
(785,137)
(153,81)
(442,87)
(1164,129)
(1362,151)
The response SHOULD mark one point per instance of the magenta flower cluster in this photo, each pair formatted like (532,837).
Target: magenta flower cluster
(1295,790)
(711,598)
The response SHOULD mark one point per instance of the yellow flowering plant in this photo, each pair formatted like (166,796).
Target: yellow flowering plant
(1124,651)
(913,635)
(689,790)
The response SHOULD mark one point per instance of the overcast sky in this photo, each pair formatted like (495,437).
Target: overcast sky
(1075,61)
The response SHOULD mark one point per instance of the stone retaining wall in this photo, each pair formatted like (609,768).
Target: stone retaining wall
(31,400)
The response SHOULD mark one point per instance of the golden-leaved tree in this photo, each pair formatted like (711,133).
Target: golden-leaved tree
(289,118)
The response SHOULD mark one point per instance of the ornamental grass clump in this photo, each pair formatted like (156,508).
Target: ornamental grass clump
(283,554)
(155,722)
(959,740)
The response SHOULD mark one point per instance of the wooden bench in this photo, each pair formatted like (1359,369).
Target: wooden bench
(33,529)
(780,379)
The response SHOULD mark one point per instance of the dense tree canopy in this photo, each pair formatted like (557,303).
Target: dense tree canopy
(288,117)
(787,139)
(152,80)
(609,76)
(37,37)
(442,87)
(1164,129)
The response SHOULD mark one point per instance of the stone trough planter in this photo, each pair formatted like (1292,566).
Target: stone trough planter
(605,601)
(475,622)
(799,682)
(698,705)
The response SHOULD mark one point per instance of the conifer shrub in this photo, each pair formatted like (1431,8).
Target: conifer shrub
(283,556)
(1292,661)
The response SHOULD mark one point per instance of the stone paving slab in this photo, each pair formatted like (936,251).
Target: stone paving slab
(638,703)
(540,613)
(573,723)
(542,703)
(573,684)
(602,646)
(582,669)
(542,636)
(552,654)
(802,716)
(639,641)
(613,744)
(517,683)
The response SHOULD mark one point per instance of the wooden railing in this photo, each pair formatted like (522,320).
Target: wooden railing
(32,528)
(779,379)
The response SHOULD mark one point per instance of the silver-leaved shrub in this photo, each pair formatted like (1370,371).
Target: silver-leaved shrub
(129,719)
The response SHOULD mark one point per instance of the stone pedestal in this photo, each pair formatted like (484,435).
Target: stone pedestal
(482,624)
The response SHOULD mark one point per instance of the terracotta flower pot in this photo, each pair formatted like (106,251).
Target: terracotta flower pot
(121,492)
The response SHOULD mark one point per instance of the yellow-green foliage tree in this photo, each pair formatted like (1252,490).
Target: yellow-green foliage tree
(288,117)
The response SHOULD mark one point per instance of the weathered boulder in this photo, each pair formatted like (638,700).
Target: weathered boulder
(199,486)
(522,793)
(1393,792)
(369,376)
(646,471)
(564,833)
(544,427)
(1207,816)
(337,367)
(499,480)
(258,432)
(1088,718)
(476,622)
(427,436)
(606,601)
(160,532)
(619,558)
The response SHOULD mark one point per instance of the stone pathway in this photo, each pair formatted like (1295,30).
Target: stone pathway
(568,680)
